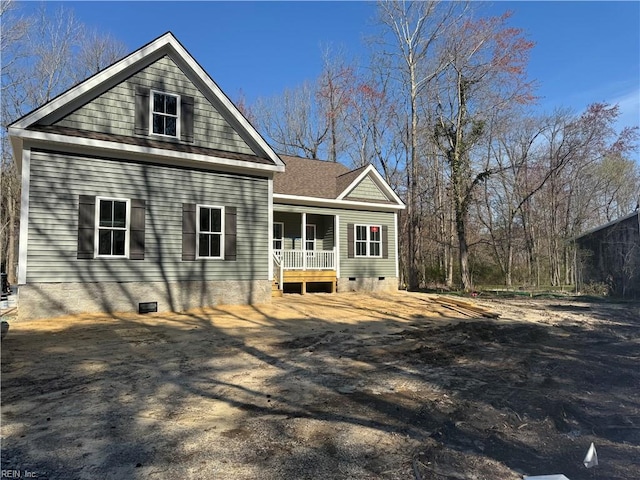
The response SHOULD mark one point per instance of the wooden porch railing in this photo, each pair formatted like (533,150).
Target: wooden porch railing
(306,259)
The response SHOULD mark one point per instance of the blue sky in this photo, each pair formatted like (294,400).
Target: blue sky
(585,51)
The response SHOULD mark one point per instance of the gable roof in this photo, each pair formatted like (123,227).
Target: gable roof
(346,179)
(609,225)
(307,177)
(307,180)
(30,125)
(370,172)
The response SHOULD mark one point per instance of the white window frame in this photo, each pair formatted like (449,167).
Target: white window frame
(281,239)
(97,228)
(222,226)
(315,237)
(368,241)
(176,116)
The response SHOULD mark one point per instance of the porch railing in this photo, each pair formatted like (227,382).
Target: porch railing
(306,259)
(278,270)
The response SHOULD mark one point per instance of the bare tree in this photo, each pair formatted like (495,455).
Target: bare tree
(97,51)
(293,121)
(42,55)
(335,91)
(500,212)
(485,74)
(372,125)
(412,34)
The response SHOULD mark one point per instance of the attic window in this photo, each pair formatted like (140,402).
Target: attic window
(164,114)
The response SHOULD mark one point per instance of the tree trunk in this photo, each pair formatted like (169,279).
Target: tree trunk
(465,276)
(449,262)
(414,267)
(508,280)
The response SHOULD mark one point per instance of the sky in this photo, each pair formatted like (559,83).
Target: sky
(584,52)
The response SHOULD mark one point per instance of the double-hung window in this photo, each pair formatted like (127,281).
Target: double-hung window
(368,241)
(165,119)
(209,233)
(112,227)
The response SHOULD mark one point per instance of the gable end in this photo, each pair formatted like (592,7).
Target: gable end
(367,190)
(106,104)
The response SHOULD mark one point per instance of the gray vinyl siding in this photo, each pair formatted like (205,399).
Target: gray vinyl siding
(58,179)
(368,190)
(113,112)
(360,267)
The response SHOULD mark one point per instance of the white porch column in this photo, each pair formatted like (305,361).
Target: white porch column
(395,241)
(336,243)
(304,241)
(270,227)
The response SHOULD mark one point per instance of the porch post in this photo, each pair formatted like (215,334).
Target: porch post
(336,244)
(304,251)
(304,241)
(270,229)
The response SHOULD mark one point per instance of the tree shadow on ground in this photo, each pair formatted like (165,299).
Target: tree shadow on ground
(245,393)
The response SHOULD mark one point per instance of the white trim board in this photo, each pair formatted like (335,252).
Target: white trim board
(377,179)
(104,145)
(334,203)
(24,218)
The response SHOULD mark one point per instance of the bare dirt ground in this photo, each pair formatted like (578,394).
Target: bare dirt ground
(326,386)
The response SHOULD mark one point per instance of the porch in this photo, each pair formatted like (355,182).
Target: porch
(304,252)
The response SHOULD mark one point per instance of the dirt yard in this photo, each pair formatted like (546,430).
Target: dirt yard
(326,387)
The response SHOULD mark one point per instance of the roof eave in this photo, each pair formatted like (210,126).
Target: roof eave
(335,203)
(607,225)
(380,182)
(105,147)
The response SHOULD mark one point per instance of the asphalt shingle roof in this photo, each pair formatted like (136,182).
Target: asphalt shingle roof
(309,178)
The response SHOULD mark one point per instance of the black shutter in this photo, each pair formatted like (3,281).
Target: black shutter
(385,241)
(86,226)
(186,120)
(136,236)
(230,228)
(350,239)
(188,232)
(142,111)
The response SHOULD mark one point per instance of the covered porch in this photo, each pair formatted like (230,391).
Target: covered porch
(304,251)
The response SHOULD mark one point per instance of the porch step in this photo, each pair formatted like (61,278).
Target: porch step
(311,276)
(275,290)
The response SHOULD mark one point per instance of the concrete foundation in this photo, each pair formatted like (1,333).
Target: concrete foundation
(368,284)
(46,300)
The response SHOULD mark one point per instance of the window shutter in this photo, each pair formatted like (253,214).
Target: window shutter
(350,240)
(186,118)
(385,241)
(86,226)
(136,236)
(230,228)
(188,232)
(142,111)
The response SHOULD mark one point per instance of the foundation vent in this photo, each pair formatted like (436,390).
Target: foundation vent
(147,307)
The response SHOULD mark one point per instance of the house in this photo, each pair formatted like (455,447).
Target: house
(610,254)
(145,187)
(335,225)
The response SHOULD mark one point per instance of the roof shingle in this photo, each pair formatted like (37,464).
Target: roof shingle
(309,178)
